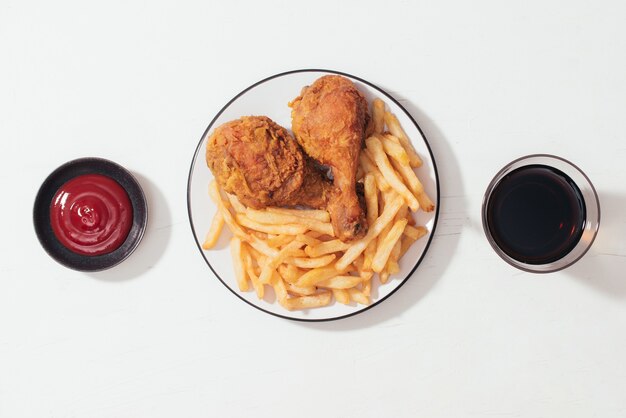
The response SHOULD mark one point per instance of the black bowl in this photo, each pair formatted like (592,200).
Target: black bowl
(69,170)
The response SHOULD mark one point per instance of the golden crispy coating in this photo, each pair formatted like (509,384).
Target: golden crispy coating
(260,162)
(329,120)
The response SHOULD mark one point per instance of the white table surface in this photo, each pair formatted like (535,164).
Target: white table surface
(159,336)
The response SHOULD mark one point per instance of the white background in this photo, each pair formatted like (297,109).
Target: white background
(468,335)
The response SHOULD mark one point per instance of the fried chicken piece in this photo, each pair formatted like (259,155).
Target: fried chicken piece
(260,162)
(329,119)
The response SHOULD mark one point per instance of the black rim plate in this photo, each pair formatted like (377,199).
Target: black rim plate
(286,315)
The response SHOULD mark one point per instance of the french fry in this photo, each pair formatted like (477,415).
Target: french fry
(392,266)
(340,282)
(402,213)
(384,250)
(383,276)
(318,215)
(409,176)
(394,150)
(300,290)
(326,248)
(366,287)
(376,228)
(314,276)
(421,231)
(407,240)
(290,273)
(325,238)
(365,272)
(358,296)
(358,263)
(341,296)
(371,201)
(413,232)
(261,246)
(371,197)
(254,278)
(378,116)
(370,167)
(309,302)
(287,229)
(405,243)
(257,257)
(216,197)
(376,148)
(270,267)
(385,197)
(396,130)
(299,253)
(395,253)
(217,224)
(415,185)
(310,263)
(258,286)
(392,138)
(280,240)
(280,290)
(425,203)
(272,218)
(294,247)
(381,239)
(238,264)
(260,235)
(308,240)
(235,203)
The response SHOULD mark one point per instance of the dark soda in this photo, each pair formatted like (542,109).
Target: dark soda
(536,214)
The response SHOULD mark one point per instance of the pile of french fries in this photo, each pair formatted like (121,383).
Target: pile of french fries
(295,252)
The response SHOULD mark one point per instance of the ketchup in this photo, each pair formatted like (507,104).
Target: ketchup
(91,214)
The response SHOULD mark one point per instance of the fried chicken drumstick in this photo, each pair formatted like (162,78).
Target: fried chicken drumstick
(260,162)
(329,120)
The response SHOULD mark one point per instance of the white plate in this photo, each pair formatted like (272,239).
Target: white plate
(270,97)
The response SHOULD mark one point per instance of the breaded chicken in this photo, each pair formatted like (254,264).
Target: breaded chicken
(329,120)
(260,162)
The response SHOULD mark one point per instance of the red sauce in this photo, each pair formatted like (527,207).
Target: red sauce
(91,215)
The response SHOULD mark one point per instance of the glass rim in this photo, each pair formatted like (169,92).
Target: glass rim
(590,198)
